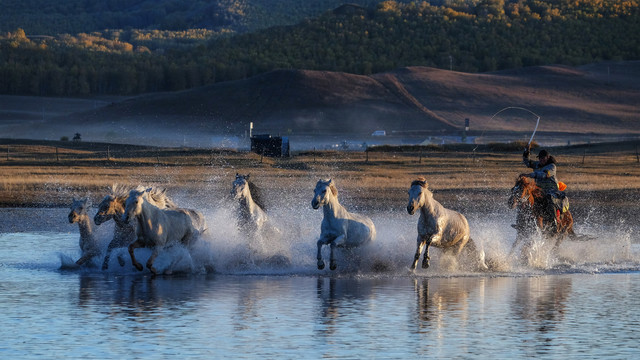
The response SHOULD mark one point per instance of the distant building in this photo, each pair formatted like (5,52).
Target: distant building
(272,146)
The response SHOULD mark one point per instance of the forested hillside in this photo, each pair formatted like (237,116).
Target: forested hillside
(469,36)
(47,17)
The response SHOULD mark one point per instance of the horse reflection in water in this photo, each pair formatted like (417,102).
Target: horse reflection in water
(437,296)
(88,243)
(440,227)
(339,227)
(254,223)
(112,207)
(158,228)
(542,300)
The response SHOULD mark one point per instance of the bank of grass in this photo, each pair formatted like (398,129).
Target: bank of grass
(472,177)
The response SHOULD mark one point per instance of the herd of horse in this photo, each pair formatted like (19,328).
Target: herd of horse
(147,217)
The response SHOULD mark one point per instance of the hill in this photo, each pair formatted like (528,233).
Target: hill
(600,98)
(86,16)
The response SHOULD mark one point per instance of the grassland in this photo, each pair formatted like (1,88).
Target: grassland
(600,177)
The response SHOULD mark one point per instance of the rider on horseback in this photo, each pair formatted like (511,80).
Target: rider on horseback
(544,173)
(544,170)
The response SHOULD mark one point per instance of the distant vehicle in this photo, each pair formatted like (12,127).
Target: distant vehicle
(379,133)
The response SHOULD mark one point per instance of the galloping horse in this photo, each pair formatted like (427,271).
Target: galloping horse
(439,226)
(251,216)
(88,243)
(534,213)
(157,228)
(112,207)
(339,227)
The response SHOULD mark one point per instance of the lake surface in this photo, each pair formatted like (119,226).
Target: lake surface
(580,303)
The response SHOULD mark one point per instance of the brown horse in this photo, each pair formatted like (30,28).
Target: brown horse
(536,211)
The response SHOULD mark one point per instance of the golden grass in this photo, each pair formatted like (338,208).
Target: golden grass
(376,179)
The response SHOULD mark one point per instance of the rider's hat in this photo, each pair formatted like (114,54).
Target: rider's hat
(543,153)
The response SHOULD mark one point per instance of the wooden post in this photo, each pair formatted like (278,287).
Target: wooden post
(108,153)
(420,160)
(57,155)
(158,159)
(314,154)
(7,152)
(367,153)
(583,155)
(637,155)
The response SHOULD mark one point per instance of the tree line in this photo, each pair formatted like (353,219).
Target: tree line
(469,36)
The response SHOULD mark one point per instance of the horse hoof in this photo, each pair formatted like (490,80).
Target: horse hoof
(320,264)
(121,261)
(425,264)
(138,267)
(333,266)
(105,267)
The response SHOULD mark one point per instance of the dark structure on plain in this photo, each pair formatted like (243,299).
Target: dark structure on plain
(272,146)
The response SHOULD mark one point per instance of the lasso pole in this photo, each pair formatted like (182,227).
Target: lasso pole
(527,110)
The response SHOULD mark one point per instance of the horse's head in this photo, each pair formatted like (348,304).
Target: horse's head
(323,192)
(78,209)
(418,188)
(521,192)
(133,205)
(240,186)
(106,210)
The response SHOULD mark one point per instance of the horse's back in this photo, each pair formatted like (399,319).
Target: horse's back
(361,230)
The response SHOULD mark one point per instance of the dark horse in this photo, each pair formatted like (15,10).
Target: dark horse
(537,212)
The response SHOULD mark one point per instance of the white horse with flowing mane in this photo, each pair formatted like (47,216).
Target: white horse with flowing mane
(254,222)
(439,226)
(250,215)
(112,207)
(88,244)
(339,227)
(158,228)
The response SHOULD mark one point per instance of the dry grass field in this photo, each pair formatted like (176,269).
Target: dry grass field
(600,177)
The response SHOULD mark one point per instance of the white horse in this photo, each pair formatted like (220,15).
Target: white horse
(112,207)
(158,228)
(88,244)
(339,227)
(251,216)
(254,222)
(438,226)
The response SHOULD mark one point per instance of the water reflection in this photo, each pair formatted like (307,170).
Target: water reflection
(541,302)
(138,297)
(439,298)
(341,298)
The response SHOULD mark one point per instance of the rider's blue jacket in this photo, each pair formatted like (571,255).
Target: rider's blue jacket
(545,176)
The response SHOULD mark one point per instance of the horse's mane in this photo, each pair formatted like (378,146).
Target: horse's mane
(256,193)
(158,197)
(119,191)
(531,184)
(420,181)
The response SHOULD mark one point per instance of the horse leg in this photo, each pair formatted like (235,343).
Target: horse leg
(332,259)
(416,257)
(321,242)
(134,245)
(83,259)
(425,260)
(105,263)
(340,240)
(152,258)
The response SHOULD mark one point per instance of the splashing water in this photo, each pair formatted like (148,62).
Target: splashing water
(226,249)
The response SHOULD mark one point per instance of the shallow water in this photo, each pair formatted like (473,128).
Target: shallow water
(580,302)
